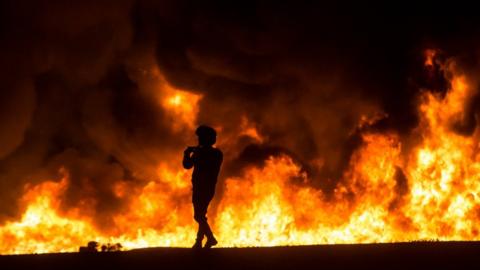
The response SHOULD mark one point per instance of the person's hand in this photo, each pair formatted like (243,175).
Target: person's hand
(189,150)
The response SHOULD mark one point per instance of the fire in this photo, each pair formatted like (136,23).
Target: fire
(248,129)
(41,224)
(181,106)
(444,189)
(388,193)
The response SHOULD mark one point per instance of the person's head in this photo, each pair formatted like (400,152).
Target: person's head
(207,136)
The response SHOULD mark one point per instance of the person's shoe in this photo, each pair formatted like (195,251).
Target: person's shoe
(210,242)
(197,245)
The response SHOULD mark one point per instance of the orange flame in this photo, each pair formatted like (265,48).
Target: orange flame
(248,129)
(181,106)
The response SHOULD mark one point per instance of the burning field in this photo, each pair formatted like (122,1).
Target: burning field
(345,134)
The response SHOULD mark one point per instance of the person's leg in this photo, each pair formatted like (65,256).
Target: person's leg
(211,241)
(207,231)
(198,212)
(200,206)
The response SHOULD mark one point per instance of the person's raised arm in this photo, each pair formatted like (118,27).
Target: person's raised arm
(187,158)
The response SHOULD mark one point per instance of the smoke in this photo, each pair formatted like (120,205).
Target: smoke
(77,90)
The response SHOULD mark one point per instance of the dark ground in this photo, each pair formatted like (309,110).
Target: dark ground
(418,255)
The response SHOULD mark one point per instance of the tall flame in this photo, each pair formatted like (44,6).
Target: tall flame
(388,194)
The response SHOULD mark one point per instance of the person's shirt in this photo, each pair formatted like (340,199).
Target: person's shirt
(206,166)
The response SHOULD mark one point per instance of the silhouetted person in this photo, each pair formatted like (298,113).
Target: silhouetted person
(206,161)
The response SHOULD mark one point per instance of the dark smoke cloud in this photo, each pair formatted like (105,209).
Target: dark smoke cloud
(305,75)
(75,94)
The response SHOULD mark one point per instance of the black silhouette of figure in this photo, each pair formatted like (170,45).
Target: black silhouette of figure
(206,161)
